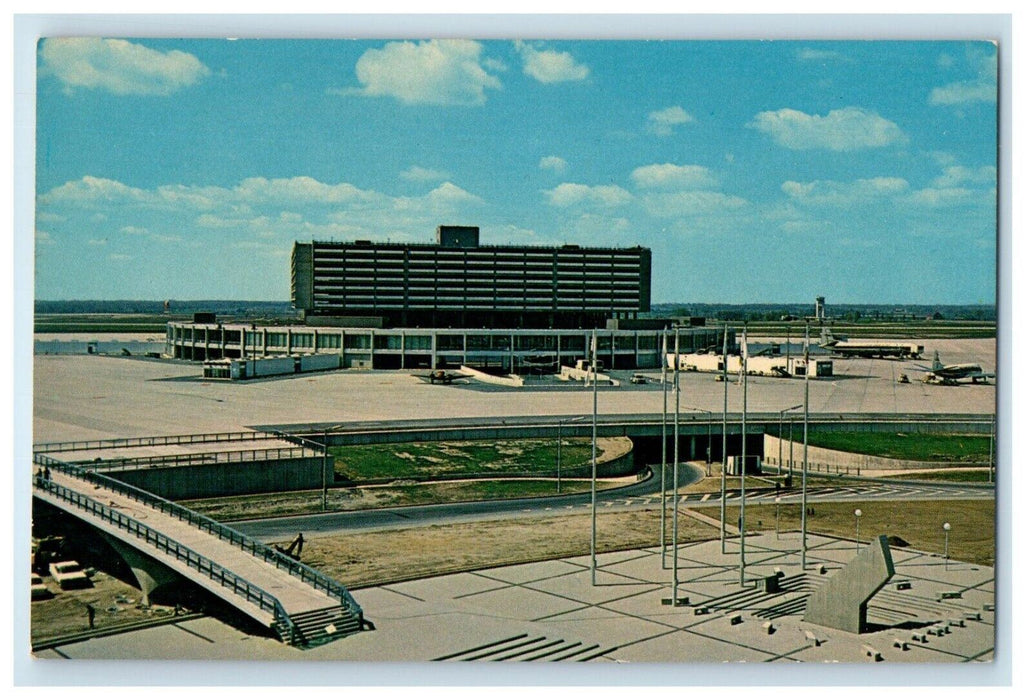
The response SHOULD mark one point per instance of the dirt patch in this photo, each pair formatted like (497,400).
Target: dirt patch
(115,602)
(362,560)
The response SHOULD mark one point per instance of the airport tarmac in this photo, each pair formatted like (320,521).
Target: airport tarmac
(551,611)
(79,397)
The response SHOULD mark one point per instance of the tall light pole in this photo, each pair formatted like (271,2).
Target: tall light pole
(993,429)
(674,507)
(778,501)
(724,439)
(327,463)
(663,460)
(710,419)
(559,444)
(781,414)
(595,421)
(742,466)
(946,539)
(806,416)
(857,530)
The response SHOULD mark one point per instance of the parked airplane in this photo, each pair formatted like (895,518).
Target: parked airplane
(440,376)
(869,348)
(951,374)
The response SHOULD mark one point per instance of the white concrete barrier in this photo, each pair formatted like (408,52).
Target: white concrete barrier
(477,375)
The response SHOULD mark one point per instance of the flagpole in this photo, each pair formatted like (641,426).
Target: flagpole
(806,410)
(724,442)
(595,416)
(674,513)
(663,461)
(742,467)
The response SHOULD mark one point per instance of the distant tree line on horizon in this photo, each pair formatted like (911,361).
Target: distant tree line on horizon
(721,312)
(836,312)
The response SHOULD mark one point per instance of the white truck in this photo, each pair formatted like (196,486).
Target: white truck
(68,574)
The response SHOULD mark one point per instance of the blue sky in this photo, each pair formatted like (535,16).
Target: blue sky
(756,171)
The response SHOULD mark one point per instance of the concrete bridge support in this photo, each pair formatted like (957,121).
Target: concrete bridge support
(150,575)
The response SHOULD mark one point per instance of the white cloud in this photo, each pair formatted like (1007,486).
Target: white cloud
(848,129)
(437,72)
(97,241)
(554,163)
(690,203)
(43,217)
(963,92)
(663,121)
(818,55)
(670,176)
(417,174)
(260,208)
(448,194)
(120,257)
(119,67)
(547,66)
(298,189)
(954,175)
(569,194)
(844,194)
(982,88)
(44,238)
(941,196)
(94,189)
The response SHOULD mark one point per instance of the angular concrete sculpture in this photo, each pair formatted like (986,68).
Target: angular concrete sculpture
(842,603)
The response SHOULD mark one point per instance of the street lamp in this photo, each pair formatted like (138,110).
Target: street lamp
(559,443)
(781,415)
(710,420)
(946,540)
(857,530)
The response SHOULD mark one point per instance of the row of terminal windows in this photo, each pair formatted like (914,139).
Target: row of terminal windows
(452,342)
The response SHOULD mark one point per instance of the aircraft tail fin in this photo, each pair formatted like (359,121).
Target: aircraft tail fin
(937,365)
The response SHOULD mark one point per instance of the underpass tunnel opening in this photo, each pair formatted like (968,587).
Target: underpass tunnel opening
(648,449)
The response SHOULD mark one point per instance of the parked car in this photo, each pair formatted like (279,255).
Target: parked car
(68,574)
(639,379)
(39,589)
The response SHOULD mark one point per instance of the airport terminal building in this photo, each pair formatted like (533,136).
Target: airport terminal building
(459,283)
(515,309)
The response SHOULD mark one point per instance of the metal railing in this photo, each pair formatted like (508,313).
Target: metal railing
(198,562)
(236,436)
(316,579)
(198,458)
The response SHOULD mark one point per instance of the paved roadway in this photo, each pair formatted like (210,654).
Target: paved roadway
(635,497)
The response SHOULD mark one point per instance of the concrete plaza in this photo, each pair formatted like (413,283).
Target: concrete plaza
(550,611)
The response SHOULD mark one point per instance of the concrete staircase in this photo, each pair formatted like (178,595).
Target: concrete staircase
(524,647)
(317,627)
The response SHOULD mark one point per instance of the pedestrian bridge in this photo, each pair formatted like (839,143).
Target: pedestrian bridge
(162,541)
